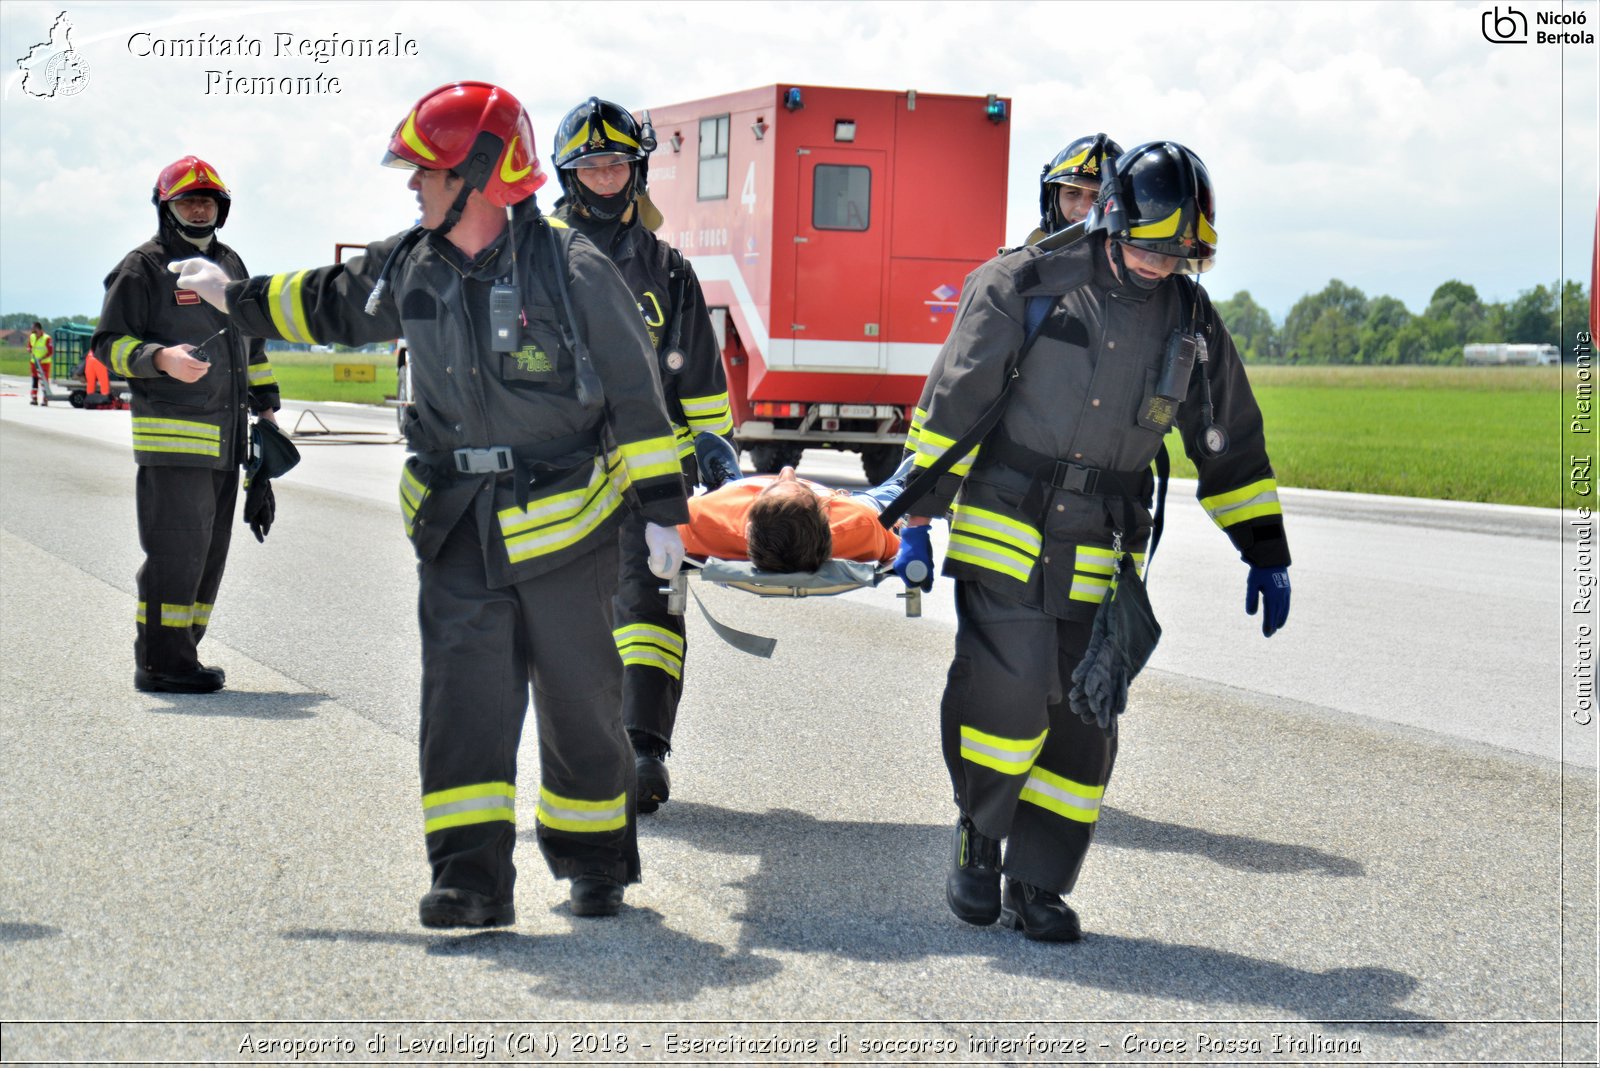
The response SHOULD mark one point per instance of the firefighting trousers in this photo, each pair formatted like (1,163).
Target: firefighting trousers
(650,640)
(1024,767)
(481,649)
(185,519)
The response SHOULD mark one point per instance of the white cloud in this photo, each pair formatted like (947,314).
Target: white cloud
(1388,145)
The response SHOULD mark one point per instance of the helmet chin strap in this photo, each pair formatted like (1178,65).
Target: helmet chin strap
(191,233)
(453,216)
(605,208)
(1137,280)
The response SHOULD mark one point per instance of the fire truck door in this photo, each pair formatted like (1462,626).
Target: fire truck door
(839,259)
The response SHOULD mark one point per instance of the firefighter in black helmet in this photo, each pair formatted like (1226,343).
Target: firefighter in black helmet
(1046,509)
(603,157)
(1069,182)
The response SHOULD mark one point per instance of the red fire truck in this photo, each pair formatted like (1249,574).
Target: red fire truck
(831,230)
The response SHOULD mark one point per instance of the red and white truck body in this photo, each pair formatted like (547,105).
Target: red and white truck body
(831,230)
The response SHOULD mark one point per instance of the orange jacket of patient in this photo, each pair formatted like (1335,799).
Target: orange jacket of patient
(716,524)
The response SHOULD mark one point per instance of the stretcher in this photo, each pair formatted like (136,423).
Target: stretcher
(834,577)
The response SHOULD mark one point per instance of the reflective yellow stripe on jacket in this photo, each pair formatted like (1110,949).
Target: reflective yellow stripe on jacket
(988,539)
(261,374)
(121,354)
(286,302)
(927,446)
(176,435)
(560,520)
(648,645)
(710,413)
(1094,571)
(1247,502)
(483,802)
(412,493)
(581,817)
(651,458)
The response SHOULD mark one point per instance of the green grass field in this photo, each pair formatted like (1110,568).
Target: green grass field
(1495,434)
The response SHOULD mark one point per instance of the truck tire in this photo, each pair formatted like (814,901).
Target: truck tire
(880,461)
(771,457)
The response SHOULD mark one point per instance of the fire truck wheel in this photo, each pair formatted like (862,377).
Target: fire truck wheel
(880,461)
(772,458)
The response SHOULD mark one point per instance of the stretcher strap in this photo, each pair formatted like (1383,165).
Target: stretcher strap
(754,644)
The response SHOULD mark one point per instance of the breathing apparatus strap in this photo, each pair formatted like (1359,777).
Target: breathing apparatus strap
(1034,315)
(587,380)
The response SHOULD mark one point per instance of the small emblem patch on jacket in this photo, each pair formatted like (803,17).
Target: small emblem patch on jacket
(533,359)
(186,296)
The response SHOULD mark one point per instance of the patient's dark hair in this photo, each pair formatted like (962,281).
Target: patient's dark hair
(788,532)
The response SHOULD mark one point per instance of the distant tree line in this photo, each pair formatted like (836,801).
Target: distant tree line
(25,320)
(1341,325)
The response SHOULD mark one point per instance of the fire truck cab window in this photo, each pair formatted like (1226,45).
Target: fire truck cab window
(841,197)
(714,158)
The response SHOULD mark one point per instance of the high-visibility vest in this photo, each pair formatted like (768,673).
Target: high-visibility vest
(40,346)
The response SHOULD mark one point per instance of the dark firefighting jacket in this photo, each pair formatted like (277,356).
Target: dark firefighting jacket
(182,424)
(581,439)
(674,309)
(1028,520)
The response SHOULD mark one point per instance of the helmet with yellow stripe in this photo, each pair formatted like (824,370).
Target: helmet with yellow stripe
(479,131)
(1158,198)
(599,133)
(187,177)
(1080,164)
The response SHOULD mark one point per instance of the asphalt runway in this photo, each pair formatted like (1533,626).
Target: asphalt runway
(1368,840)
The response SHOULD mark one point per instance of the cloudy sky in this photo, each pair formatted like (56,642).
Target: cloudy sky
(1390,145)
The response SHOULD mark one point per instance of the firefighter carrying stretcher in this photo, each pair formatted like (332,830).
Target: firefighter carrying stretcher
(602,156)
(1049,503)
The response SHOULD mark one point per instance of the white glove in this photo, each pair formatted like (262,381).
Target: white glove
(666,550)
(205,278)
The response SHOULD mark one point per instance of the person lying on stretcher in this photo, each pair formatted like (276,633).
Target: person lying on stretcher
(782,523)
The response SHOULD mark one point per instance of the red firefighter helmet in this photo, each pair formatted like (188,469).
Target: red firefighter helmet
(187,177)
(479,131)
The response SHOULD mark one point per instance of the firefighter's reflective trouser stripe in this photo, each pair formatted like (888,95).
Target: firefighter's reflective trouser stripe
(1024,767)
(650,640)
(185,517)
(481,648)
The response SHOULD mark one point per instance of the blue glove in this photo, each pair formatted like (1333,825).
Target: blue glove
(1271,583)
(716,458)
(914,562)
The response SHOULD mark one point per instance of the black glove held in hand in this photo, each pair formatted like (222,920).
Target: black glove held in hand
(259,507)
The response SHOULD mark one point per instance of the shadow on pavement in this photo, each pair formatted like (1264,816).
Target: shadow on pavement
(873,892)
(26,932)
(1125,830)
(243,704)
(633,957)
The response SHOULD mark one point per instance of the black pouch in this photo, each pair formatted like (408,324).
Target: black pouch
(1125,634)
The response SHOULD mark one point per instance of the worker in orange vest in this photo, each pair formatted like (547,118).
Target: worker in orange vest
(40,351)
(96,379)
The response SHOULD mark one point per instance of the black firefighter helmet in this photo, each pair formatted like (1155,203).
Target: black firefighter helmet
(1081,163)
(1158,198)
(600,128)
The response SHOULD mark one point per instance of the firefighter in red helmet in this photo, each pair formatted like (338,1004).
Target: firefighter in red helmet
(194,376)
(1051,516)
(539,423)
(602,156)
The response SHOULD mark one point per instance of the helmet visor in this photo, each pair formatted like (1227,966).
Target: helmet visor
(598,161)
(1136,256)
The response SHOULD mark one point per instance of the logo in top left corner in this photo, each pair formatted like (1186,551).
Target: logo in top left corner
(53,67)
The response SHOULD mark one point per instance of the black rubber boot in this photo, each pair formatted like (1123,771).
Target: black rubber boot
(596,895)
(973,886)
(200,680)
(1039,914)
(650,766)
(447,907)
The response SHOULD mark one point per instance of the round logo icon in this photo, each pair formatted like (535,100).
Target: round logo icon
(674,360)
(66,74)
